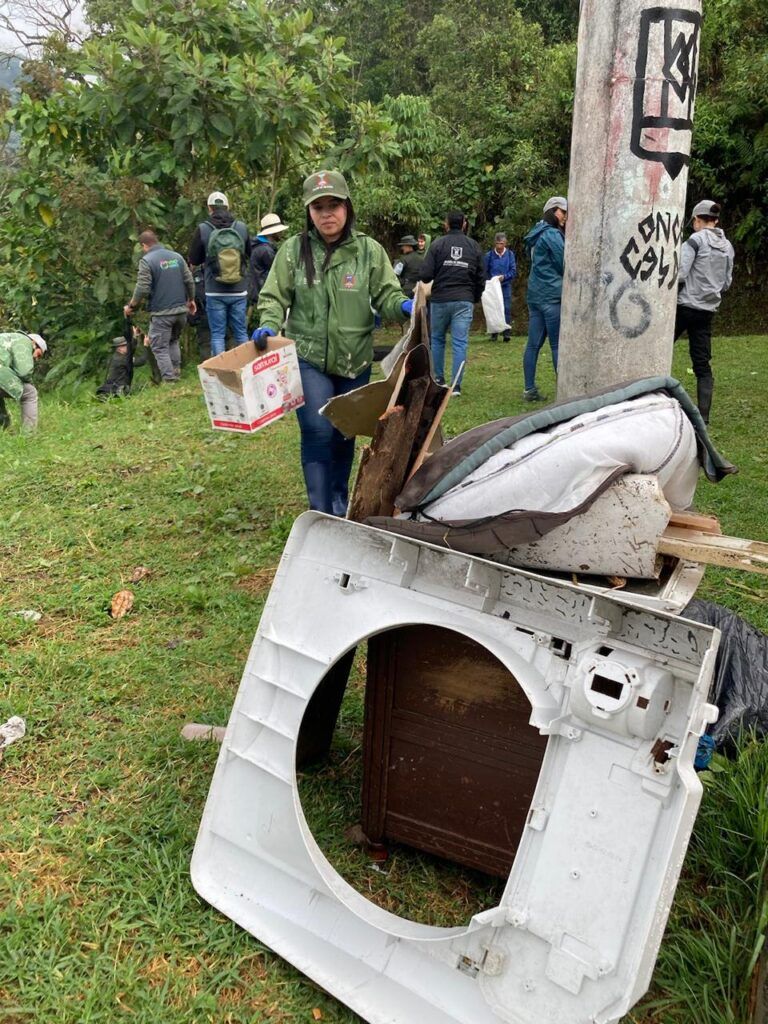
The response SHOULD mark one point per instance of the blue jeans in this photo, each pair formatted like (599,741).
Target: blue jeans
(506,292)
(543,321)
(455,317)
(326,455)
(226,311)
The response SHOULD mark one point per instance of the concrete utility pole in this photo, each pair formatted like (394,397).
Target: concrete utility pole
(633,115)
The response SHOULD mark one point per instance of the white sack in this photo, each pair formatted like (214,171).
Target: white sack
(557,469)
(493,307)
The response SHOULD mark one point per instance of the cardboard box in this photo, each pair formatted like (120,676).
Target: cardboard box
(246,389)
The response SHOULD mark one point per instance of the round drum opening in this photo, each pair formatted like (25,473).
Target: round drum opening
(416,766)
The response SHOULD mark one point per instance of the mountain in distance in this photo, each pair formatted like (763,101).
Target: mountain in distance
(10,73)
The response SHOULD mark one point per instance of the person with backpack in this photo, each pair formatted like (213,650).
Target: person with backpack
(18,354)
(321,288)
(221,246)
(165,281)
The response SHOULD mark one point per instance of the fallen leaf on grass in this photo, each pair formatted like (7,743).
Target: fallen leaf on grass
(355,835)
(317,1013)
(121,604)
(141,572)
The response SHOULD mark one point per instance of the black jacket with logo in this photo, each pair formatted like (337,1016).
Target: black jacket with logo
(455,266)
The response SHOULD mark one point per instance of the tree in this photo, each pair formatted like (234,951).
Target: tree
(135,128)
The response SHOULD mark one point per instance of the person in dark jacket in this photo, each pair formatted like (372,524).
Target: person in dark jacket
(408,264)
(165,281)
(199,319)
(263,252)
(545,247)
(454,265)
(119,372)
(225,303)
(500,262)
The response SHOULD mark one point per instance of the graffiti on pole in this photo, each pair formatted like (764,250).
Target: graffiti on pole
(651,254)
(665,86)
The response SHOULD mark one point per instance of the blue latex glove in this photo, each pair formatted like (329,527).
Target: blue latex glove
(704,752)
(407,306)
(260,336)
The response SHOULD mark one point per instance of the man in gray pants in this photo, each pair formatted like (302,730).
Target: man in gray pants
(18,354)
(165,281)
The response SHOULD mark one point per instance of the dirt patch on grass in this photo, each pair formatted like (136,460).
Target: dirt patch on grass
(43,873)
(257,582)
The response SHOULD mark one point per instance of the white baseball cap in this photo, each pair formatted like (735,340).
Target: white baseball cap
(40,341)
(556,203)
(217,199)
(271,225)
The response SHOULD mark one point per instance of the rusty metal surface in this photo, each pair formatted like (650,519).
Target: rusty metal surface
(451,762)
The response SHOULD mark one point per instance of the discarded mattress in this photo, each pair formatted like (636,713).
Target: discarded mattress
(620,692)
(559,469)
(510,482)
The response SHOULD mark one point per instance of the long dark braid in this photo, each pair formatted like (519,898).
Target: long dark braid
(305,244)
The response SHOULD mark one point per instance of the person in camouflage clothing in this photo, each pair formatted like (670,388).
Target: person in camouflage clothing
(18,352)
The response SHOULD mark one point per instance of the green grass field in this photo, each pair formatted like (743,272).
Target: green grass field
(100,802)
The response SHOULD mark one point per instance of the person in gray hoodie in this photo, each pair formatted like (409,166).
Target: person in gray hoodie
(706,271)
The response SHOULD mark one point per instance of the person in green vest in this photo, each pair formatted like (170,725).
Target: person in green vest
(322,289)
(18,354)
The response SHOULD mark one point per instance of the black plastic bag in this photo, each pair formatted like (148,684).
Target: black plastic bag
(740,686)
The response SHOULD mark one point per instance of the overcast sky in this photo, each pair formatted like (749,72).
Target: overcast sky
(8,43)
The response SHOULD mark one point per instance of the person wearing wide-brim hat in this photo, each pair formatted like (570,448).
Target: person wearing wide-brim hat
(263,252)
(408,264)
(321,290)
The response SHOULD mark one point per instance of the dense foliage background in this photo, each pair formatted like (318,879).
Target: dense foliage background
(424,104)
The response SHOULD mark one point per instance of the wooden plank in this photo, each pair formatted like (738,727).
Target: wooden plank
(696,521)
(396,389)
(382,471)
(731,552)
(427,445)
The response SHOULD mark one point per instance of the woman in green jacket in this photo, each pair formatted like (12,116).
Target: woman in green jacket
(321,289)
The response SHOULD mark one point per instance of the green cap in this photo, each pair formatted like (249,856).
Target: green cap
(325,183)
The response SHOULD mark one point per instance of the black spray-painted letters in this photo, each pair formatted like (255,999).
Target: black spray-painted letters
(651,254)
(665,86)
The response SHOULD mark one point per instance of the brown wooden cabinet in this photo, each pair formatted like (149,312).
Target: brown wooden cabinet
(450,761)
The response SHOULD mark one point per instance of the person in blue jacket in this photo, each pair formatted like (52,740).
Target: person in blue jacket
(545,247)
(500,262)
